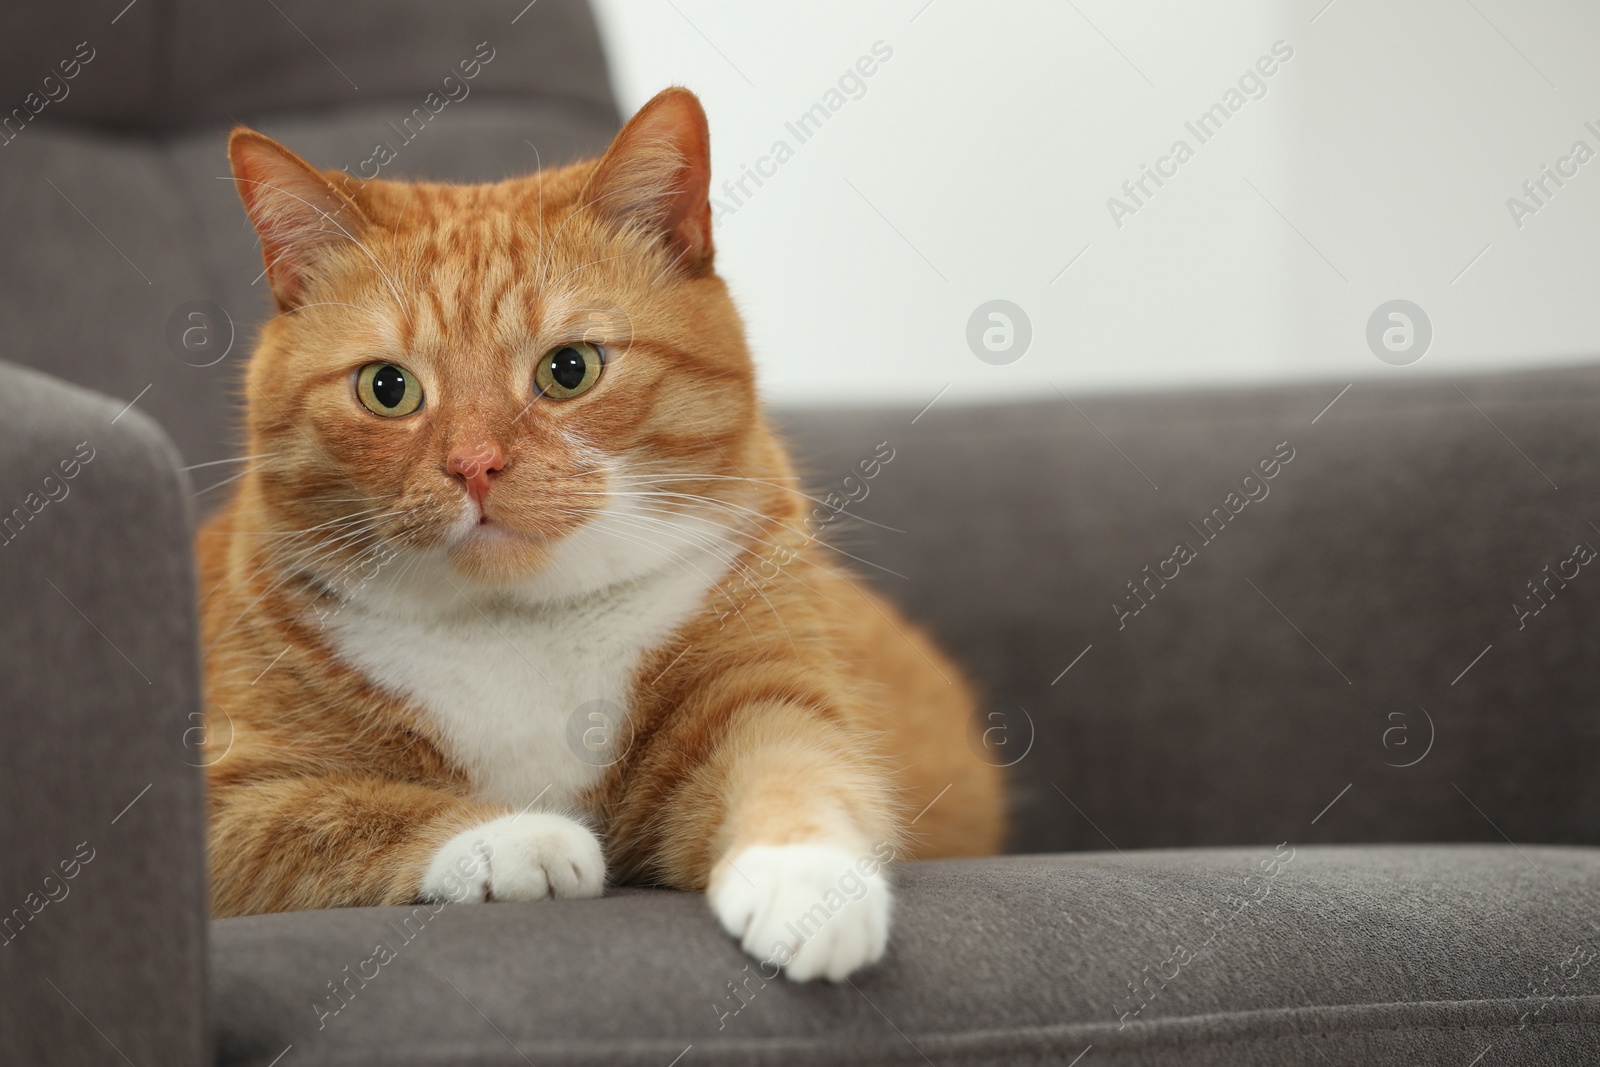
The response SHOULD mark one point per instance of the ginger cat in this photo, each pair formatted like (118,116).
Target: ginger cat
(519,594)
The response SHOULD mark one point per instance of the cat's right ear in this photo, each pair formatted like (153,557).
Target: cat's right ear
(657,176)
(296,211)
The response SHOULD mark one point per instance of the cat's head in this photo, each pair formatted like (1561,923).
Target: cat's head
(540,380)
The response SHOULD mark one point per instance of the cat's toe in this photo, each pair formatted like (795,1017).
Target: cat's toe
(815,910)
(517,857)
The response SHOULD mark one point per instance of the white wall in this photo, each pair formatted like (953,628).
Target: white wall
(979,160)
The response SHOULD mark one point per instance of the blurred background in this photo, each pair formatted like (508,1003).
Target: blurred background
(1202,223)
(1087,196)
(976,163)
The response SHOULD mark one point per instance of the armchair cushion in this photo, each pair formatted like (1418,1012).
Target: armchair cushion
(102,834)
(1272,955)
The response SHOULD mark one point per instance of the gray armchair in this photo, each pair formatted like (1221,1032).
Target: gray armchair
(1321,789)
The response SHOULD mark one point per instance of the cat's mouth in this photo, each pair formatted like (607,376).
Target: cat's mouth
(502,542)
(489,530)
(481,530)
(474,523)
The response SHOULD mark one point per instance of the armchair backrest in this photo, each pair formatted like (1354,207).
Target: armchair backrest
(127,265)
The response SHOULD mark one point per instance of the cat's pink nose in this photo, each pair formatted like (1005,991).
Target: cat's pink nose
(474,466)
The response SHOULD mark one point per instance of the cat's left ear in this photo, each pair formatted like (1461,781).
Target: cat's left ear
(657,175)
(296,211)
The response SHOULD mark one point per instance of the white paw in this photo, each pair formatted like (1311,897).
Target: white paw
(812,909)
(531,856)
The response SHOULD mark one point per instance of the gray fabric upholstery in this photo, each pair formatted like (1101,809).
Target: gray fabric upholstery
(161,65)
(102,904)
(1313,676)
(1393,544)
(112,197)
(1346,955)
(114,219)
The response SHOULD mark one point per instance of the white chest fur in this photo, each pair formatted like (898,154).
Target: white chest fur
(512,690)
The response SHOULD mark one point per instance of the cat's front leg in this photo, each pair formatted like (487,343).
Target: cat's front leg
(359,841)
(816,910)
(800,819)
(526,856)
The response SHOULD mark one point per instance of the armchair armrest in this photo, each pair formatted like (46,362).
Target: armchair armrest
(102,880)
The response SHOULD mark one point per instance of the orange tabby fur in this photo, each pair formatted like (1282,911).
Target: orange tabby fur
(812,713)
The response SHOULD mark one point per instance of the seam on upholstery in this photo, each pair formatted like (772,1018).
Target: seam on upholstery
(1255,1039)
(1380,1005)
(972,1041)
(1395,402)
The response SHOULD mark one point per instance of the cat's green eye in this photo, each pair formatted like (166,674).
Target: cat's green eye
(568,371)
(387,390)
